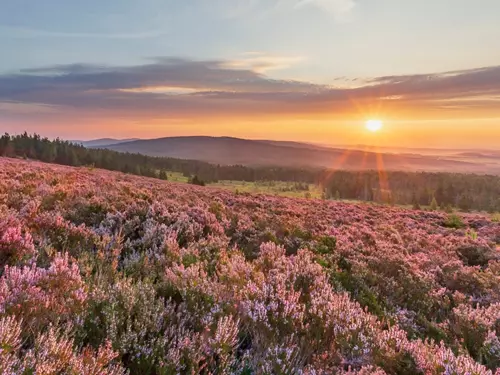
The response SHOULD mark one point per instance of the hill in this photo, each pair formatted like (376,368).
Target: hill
(159,275)
(103,142)
(230,151)
(466,191)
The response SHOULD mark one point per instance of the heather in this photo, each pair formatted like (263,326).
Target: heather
(107,273)
(467,192)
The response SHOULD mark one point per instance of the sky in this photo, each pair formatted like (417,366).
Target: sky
(304,70)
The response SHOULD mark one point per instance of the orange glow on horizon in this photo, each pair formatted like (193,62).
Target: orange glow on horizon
(322,129)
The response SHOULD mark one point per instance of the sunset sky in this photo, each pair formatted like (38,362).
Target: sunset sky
(307,70)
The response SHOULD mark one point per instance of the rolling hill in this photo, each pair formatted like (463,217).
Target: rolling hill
(229,151)
(103,142)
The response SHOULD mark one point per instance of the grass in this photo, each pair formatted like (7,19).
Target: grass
(177,177)
(284,189)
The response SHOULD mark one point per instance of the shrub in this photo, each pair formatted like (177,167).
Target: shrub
(475,254)
(40,296)
(195,180)
(454,221)
(434,204)
(173,279)
(326,245)
(16,244)
(52,353)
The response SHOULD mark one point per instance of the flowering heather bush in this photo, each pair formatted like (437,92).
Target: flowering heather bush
(16,243)
(52,353)
(103,273)
(39,296)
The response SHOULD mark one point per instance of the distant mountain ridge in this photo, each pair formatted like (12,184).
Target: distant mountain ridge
(231,151)
(103,142)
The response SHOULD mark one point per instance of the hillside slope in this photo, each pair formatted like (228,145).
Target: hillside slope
(158,274)
(103,142)
(229,151)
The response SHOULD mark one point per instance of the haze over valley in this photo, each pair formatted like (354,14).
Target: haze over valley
(250,187)
(228,151)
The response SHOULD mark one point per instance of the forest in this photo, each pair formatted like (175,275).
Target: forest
(467,192)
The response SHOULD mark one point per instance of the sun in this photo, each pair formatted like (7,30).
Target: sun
(374,125)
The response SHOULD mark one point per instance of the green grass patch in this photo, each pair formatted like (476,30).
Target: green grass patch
(280,188)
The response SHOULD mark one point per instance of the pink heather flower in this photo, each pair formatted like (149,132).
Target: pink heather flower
(37,294)
(16,244)
(272,313)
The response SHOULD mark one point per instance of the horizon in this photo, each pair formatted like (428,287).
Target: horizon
(250,187)
(366,147)
(300,70)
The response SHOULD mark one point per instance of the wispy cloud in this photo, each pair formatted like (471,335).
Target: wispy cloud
(20,32)
(26,108)
(339,8)
(263,62)
(182,88)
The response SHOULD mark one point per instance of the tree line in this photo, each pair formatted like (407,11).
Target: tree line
(445,190)
(66,153)
(464,191)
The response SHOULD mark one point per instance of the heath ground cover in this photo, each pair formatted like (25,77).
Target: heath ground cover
(106,273)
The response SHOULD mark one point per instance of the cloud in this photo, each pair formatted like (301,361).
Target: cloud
(26,108)
(204,75)
(190,89)
(450,84)
(338,8)
(19,32)
(241,8)
(261,62)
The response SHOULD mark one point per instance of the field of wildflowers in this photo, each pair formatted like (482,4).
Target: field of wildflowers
(106,273)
